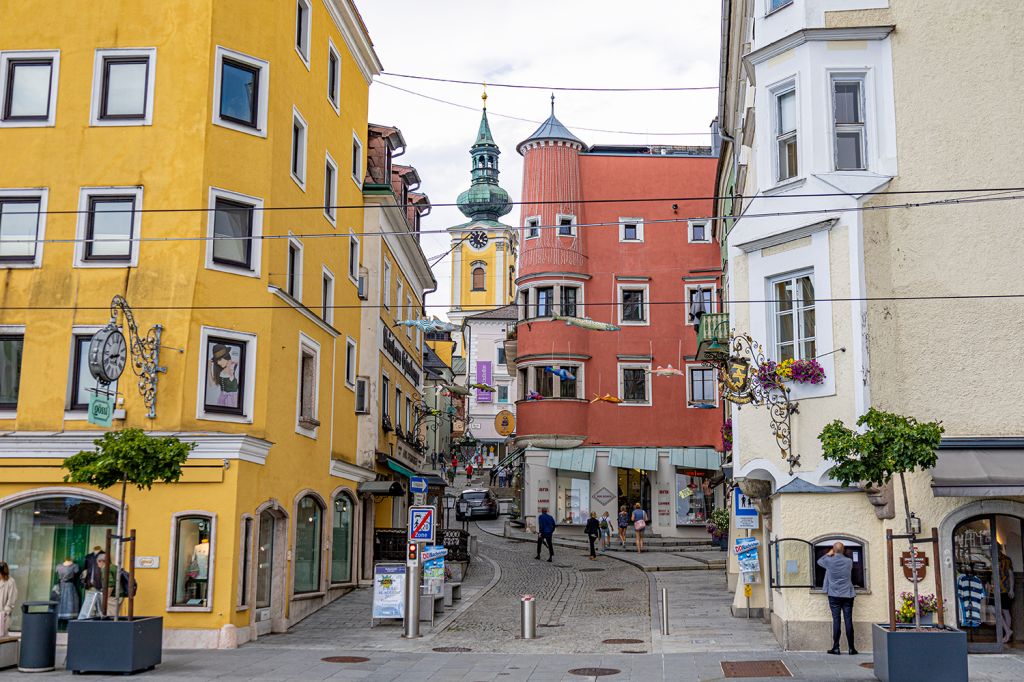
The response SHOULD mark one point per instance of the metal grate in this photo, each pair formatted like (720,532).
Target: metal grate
(633,651)
(451,649)
(345,659)
(774,668)
(590,570)
(594,672)
(608,589)
(626,640)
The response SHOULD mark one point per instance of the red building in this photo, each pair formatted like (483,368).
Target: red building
(612,418)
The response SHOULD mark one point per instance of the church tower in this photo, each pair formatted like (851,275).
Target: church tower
(483,249)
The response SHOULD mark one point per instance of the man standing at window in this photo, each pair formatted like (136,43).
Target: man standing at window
(545,529)
(839,588)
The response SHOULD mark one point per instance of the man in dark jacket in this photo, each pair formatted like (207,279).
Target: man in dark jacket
(839,588)
(545,529)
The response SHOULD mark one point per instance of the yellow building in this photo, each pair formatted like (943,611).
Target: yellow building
(396,276)
(137,123)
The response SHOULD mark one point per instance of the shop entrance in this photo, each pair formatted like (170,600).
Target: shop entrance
(988,558)
(270,571)
(635,486)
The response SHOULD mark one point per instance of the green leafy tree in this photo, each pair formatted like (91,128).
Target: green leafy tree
(888,445)
(128,457)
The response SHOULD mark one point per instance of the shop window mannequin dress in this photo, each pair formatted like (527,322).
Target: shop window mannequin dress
(68,601)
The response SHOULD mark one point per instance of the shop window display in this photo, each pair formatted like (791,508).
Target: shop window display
(45,540)
(573,498)
(694,498)
(192,561)
(307,545)
(987,550)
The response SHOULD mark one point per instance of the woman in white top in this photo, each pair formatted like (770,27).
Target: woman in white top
(8,598)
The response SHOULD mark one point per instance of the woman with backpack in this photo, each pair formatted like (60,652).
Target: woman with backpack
(593,531)
(623,524)
(639,525)
(606,532)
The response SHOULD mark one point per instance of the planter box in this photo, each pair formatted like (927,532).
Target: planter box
(121,646)
(928,655)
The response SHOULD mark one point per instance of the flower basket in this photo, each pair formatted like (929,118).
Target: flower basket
(727,436)
(773,375)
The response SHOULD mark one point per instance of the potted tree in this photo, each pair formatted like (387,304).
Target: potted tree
(890,445)
(128,457)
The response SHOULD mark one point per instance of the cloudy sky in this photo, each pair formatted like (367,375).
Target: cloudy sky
(564,43)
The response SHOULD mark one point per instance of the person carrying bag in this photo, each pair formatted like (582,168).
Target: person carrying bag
(639,525)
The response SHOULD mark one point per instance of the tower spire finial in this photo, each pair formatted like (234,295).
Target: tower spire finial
(552,104)
(484,96)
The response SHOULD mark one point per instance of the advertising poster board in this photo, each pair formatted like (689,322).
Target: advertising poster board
(433,569)
(389,591)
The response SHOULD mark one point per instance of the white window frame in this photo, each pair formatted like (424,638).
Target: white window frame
(5,58)
(331,193)
(507,394)
(399,290)
(386,285)
(775,93)
(327,306)
(296,243)
(262,98)
(256,250)
(639,222)
(82,228)
(860,78)
(301,164)
(42,194)
(351,362)
(248,395)
(97,85)
(307,346)
(211,566)
(14,330)
(706,224)
(620,307)
(773,314)
(558,225)
(578,286)
(306,31)
(686,297)
(365,383)
(334,98)
(397,417)
(353,264)
(71,411)
(532,224)
(691,402)
(772,8)
(646,366)
(482,265)
(357,146)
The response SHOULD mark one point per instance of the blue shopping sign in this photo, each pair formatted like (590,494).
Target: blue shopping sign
(421,524)
(418,484)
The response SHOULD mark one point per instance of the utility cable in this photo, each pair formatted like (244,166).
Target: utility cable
(521,86)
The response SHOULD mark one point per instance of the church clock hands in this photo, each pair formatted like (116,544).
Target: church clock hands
(478,239)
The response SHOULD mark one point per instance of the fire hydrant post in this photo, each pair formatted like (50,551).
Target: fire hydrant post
(528,617)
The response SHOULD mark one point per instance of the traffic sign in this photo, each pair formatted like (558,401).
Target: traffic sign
(418,484)
(744,511)
(421,524)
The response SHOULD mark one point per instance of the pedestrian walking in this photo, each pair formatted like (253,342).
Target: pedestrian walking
(455,461)
(501,477)
(639,525)
(451,476)
(493,476)
(839,588)
(8,598)
(433,460)
(593,531)
(623,524)
(606,532)
(545,529)
(469,471)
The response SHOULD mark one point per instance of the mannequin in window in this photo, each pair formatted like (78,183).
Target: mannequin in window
(66,593)
(199,565)
(1005,592)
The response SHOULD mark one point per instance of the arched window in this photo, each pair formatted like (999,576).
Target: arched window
(341,539)
(479,278)
(308,517)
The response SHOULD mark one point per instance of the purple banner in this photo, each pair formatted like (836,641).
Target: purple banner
(483,376)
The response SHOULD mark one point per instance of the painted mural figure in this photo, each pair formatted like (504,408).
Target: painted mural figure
(223,378)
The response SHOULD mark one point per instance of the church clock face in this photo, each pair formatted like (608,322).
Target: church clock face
(478,239)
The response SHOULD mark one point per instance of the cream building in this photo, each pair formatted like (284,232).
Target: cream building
(852,97)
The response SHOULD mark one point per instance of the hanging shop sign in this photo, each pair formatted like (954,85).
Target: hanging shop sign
(505,423)
(101,410)
(907,561)
(398,355)
(389,591)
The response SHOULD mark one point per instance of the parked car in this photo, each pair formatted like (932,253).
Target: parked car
(476,503)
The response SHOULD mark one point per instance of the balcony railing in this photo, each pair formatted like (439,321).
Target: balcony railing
(713,335)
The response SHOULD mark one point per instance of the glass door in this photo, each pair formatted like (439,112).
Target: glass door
(264,572)
(634,487)
(976,585)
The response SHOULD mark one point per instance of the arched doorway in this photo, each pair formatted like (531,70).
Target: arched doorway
(271,569)
(43,530)
(987,562)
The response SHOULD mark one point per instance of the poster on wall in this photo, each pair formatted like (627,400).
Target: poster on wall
(483,376)
(389,591)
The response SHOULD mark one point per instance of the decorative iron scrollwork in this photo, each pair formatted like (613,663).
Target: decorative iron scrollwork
(145,352)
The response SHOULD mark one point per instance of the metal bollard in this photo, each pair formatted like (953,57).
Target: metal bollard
(664,611)
(412,600)
(528,617)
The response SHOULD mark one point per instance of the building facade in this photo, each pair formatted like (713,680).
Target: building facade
(836,90)
(141,151)
(487,365)
(602,427)
(439,410)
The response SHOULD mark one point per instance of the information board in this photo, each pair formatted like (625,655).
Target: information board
(744,511)
(389,591)
(433,569)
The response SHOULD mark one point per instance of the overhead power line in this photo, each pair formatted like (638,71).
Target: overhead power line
(334,235)
(531,120)
(521,86)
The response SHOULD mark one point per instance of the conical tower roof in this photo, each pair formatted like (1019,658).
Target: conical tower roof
(485,199)
(551,129)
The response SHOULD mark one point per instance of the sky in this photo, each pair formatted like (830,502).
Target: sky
(563,43)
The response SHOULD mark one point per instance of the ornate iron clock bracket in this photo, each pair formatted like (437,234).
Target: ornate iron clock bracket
(145,352)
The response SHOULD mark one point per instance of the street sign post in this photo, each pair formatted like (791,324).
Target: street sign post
(418,484)
(744,511)
(421,524)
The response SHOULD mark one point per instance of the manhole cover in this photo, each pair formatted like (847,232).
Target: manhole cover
(608,589)
(633,651)
(551,625)
(345,659)
(622,641)
(590,570)
(755,669)
(451,649)
(869,666)
(594,672)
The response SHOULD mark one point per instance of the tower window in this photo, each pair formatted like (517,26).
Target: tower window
(479,279)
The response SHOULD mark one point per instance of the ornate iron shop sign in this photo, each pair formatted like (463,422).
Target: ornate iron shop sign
(144,352)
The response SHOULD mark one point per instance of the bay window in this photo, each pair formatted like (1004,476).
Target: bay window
(793,317)
(849,124)
(786,134)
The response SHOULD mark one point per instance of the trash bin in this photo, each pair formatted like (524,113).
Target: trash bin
(38,636)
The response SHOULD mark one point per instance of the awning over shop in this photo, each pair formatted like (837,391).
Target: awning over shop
(695,458)
(381,488)
(395,466)
(433,480)
(978,472)
(634,458)
(573,459)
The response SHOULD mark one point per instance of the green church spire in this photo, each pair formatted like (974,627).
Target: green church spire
(485,199)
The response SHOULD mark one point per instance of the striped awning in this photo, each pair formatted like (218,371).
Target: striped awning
(573,459)
(696,458)
(634,458)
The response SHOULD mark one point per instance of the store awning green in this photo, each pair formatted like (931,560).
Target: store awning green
(696,458)
(395,466)
(634,458)
(573,459)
